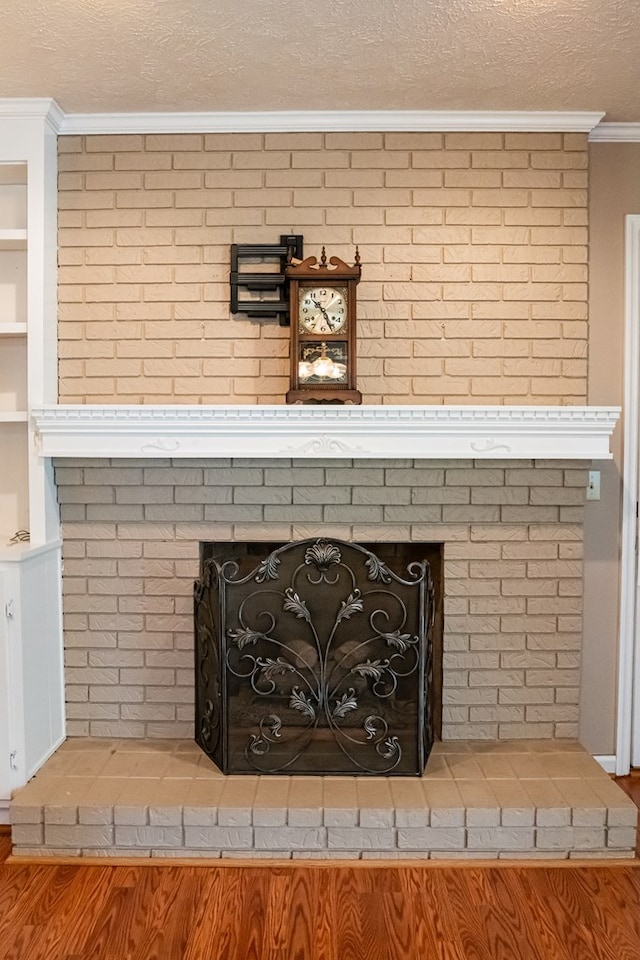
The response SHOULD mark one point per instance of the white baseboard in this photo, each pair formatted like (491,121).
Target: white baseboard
(607,762)
(4,812)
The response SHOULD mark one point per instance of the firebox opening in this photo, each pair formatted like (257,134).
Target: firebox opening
(319,656)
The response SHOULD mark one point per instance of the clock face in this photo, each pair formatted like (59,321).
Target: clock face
(322,310)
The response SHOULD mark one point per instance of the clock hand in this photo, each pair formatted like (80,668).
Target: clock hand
(324,313)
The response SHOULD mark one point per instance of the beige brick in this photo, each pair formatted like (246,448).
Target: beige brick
(288,178)
(379,159)
(559,198)
(431,838)
(473,215)
(413,141)
(500,838)
(473,178)
(81,835)
(500,159)
(527,216)
(360,838)
(290,838)
(473,141)
(325,160)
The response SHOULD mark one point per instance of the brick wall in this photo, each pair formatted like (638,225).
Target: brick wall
(513,576)
(473,248)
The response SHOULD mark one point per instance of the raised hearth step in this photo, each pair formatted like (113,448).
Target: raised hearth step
(477,799)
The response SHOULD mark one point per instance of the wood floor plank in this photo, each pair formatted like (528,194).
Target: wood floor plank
(559,902)
(506,917)
(169,919)
(434,921)
(620,939)
(467,914)
(325,934)
(251,915)
(347,915)
(215,915)
(401,927)
(63,928)
(300,910)
(276,917)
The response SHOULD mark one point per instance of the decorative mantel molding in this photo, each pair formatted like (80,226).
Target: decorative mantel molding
(353,432)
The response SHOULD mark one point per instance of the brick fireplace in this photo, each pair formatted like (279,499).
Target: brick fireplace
(508,778)
(474,250)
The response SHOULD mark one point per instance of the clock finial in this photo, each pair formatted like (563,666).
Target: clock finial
(357,259)
(323,257)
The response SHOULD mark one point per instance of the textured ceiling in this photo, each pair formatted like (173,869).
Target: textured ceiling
(212,55)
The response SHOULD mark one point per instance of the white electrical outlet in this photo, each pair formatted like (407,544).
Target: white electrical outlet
(593,485)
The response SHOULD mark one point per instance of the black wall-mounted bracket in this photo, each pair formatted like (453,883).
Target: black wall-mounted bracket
(242,278)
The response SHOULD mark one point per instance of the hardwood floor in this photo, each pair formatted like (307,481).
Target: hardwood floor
(631,785)
(324,912)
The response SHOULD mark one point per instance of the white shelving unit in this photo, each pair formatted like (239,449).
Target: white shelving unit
(31,679)
(14,485)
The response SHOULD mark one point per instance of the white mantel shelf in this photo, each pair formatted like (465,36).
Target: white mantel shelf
(354,432)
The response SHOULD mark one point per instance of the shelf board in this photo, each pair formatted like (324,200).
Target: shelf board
(13,239)
(13,329)
(13,416)
(17,552)
(13,175)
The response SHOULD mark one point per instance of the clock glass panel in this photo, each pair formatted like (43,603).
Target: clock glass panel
(322,362)
(323,310)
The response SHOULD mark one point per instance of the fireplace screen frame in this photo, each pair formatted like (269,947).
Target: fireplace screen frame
(315,657)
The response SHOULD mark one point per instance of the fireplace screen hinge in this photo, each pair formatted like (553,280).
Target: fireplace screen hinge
(13,759)
(8,610)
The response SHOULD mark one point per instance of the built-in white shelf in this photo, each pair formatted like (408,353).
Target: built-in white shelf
(13,416)
(13,239)
(16,552)
(428,432)
(13,329)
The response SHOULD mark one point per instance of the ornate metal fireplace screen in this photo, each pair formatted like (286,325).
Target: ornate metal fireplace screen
(316,661)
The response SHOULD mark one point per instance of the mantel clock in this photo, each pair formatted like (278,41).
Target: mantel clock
(323,330)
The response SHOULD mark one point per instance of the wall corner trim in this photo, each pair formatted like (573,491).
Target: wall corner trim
(627,714)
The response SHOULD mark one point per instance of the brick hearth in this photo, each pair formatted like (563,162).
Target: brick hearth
(525,799)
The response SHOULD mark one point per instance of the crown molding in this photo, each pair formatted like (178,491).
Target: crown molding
(352,121)
(426,432)
(331,121)
(615,133)
(33,108)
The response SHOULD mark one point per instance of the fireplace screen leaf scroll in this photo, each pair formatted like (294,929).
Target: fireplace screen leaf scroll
(317,660)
